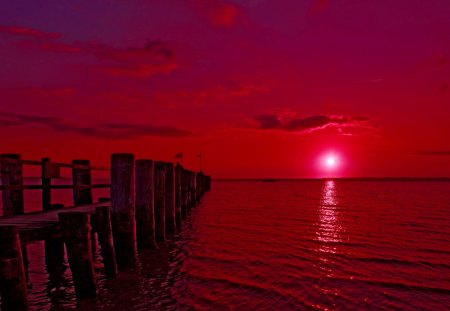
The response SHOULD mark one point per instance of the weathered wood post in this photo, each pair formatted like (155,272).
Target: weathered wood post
(184,192)
(46,184)
(11,173)
(178,172)
(54,252)
(76,229)
(199,184)
(160,199)
(170,199)
(123,208)
(145,204)
(105,238)
(81,176)
(13,286)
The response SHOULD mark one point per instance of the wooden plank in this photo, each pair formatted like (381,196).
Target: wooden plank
(43,224)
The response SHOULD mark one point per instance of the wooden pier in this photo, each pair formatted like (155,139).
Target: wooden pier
(148,202)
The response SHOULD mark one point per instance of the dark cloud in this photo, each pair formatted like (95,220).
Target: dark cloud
(266,122)
(435,152)
(106,131)
(153,57)
(311,123)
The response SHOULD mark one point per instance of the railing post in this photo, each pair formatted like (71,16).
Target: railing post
(123,208)
(13,286)
(11,174)
(76,229)
(160,201)
(81,176)
(145,204)
(46,184)
(170,199)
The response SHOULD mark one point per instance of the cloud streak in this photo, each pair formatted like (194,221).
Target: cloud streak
(111,131)
(152,58)
(344,124)
(220,13)
(435,153)
(27,32)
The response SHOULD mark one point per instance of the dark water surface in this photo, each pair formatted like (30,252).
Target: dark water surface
(298,245)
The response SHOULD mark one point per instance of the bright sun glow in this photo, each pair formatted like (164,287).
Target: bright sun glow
(331,161)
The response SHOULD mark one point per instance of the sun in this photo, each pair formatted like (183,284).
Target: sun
(330,161)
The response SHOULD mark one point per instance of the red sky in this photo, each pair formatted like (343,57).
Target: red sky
(263,88)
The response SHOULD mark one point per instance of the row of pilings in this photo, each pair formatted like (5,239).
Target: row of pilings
(149,201)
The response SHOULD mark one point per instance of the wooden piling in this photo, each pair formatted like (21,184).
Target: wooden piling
(13,286)
(11,174)
(145,204)
(46,184)
(160,199)
(105,238)
(170,199)
(54,249)
(178,216)
(183,193)
(81,176)
(123,208)
(76,228)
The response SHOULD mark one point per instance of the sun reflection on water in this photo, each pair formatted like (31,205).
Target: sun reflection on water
(329,227)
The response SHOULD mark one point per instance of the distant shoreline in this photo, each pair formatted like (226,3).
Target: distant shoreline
(411,179)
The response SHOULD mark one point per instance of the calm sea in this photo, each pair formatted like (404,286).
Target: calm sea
(290,245)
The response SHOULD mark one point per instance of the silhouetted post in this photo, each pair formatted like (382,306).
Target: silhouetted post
(123,208)
(178,172)
(54,251)
(184,192)
(46,184)
(192,193)
(76,229)
(170,199)
(81,175)
(145,214)
(11,174)
(160,199)
(105,238)
(13,286)
(199,185)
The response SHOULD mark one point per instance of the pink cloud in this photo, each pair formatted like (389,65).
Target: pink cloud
(28,32)
(138,71)
(220,13)
(220,92)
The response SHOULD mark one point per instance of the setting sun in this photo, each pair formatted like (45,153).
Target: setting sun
(331,161)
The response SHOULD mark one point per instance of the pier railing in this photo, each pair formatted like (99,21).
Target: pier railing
(12,187)
(149,200)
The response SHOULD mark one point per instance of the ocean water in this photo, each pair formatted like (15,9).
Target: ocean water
(288,245)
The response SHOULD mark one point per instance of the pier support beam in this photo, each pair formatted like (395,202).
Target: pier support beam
(170,199)
(76,229)
(160,199)
(11,174)
(105,238)
(145,204)
(13,286)
(123,208)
